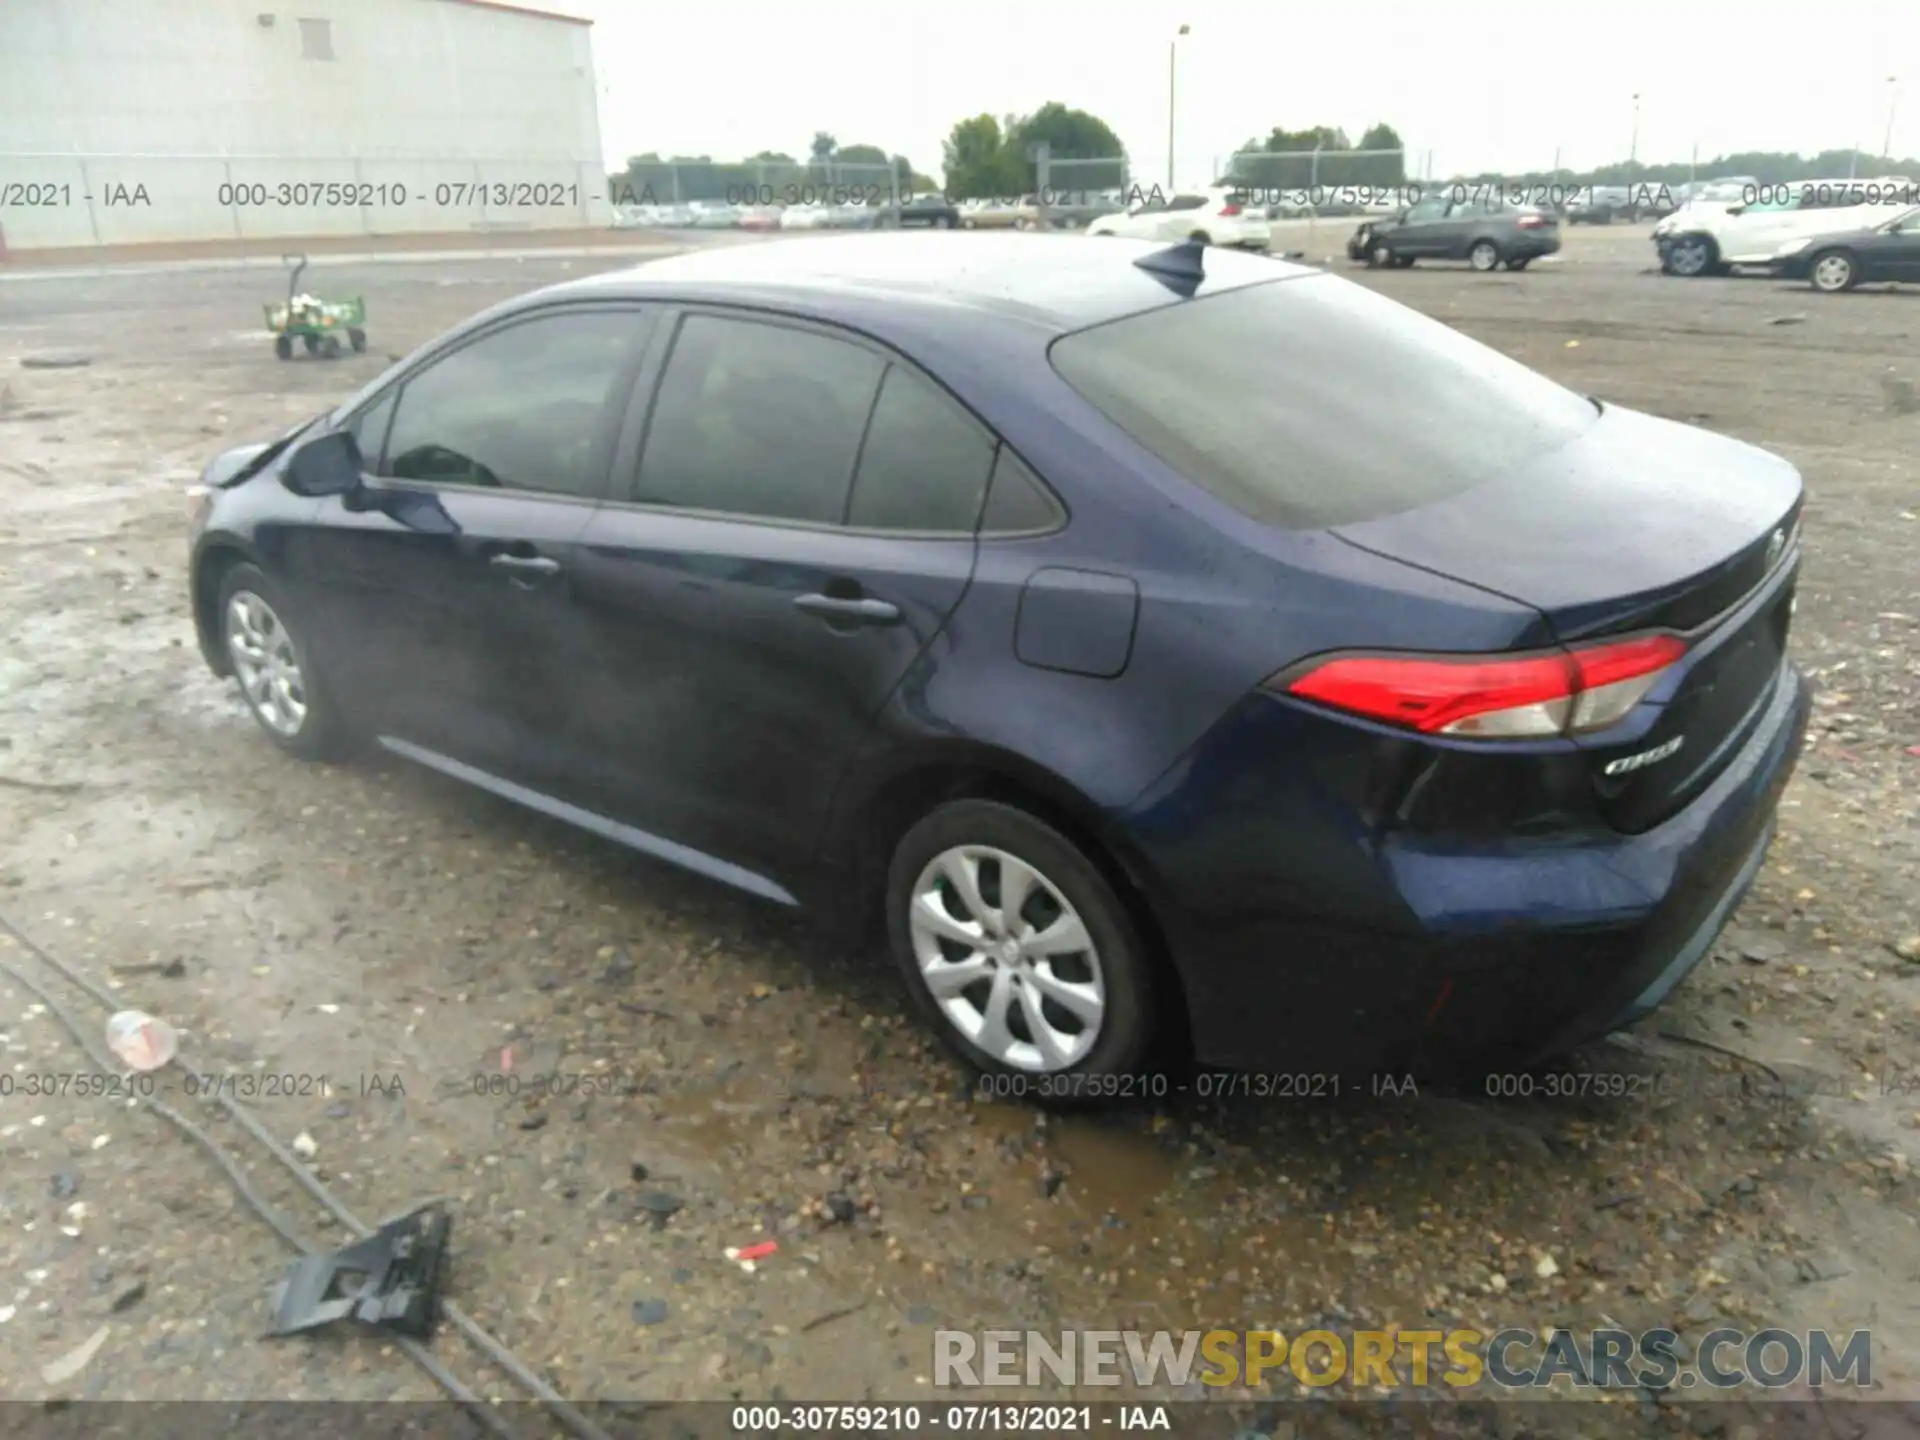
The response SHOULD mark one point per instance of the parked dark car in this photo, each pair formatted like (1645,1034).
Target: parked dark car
(1241,659)
(1887,252)
(1596,205)
(1485,232)
(1077,209)
(931,211)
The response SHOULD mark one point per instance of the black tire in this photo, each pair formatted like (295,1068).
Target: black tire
(1381,256)
(322,733)
(1484,256)
(1521,263)
(312,342)
(1126,1029)
(1832,272)
(357,338)
(283,346)
(330,348)
(1404,262)
(1200,237)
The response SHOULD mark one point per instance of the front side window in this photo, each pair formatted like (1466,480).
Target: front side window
(524,408)
(369,429)
(758,420)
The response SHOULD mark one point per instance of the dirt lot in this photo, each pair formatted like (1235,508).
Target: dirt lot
(386,930)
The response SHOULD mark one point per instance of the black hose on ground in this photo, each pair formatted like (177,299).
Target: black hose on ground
(558,1405)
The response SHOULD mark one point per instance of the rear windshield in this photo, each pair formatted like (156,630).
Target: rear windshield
(1313,402)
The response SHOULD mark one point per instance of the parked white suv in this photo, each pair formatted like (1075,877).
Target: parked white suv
(1709,239)
(1215,216)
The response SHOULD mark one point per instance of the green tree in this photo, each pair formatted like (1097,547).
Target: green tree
(988,157)
(1388,168)
(974,159)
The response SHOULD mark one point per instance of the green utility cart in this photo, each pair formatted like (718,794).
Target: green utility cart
(317,324)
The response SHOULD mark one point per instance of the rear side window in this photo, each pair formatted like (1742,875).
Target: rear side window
(758,420)
(1316,402)
(925,462)
(1017,503)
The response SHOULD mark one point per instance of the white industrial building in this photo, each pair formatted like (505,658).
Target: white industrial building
(134,121)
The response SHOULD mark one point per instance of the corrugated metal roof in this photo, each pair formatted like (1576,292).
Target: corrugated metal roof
(524,10)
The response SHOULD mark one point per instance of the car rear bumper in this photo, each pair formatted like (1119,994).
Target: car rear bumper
(1401,955)
(1530,246)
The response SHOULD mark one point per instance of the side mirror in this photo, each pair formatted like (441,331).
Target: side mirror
(1736,210)
(330,464)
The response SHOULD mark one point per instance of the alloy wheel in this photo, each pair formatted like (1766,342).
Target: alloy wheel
(1485,255)
(1007,959)
(1832,273)
(265,661)
(1688,257)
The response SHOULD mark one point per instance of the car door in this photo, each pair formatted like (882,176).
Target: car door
(1901,257)
(1811,209)
(1144,223)
(795,528)
(1893,252)
(1184,215)
(1420,229)
(445,580)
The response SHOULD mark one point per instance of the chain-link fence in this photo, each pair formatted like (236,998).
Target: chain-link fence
(761,183)
(1316,178)
(768,194)
(79,200)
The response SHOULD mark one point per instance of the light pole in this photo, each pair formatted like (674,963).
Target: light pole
(1893,97)
(1173,51)
(1633,146)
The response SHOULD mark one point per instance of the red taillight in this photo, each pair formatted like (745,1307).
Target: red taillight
(1531,222)
(1231,208)
(1489,698)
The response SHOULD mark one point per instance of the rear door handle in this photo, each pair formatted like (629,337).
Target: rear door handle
(525,569)
(527,564)
(845,611)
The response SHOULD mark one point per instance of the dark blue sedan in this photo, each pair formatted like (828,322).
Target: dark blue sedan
(1163,645)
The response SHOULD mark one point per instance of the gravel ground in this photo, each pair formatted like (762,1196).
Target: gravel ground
(368,946)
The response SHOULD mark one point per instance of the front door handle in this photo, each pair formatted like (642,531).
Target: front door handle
(847,611)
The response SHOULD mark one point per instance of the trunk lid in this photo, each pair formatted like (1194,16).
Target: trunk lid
(1638,524)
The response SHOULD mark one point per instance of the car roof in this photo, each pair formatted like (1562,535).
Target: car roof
(897,284)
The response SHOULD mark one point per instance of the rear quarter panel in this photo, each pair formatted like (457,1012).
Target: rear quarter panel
(1223,603)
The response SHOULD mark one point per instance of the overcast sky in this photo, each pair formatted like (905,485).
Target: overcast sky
(1482,84)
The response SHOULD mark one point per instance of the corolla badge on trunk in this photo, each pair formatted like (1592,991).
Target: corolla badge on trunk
(1627,764)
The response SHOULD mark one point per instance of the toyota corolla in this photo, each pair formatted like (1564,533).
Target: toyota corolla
(1156,644)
